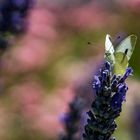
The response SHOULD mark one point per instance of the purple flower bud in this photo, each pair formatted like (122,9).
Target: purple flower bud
(97,83)
(128,72)
(107,65)
(114,84)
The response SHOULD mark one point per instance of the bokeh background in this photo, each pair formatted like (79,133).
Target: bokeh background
(56,58)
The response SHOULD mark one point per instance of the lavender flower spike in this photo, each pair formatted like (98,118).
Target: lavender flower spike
(71,120)
(110,94)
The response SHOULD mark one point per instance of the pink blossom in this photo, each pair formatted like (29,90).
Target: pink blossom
(90,16)
(31,55)
(43,112)
(132,4)
(42,24)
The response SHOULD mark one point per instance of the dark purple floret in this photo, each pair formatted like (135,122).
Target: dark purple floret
(97,84)
(128,72)
(119,97)
(108,66)
(110,94)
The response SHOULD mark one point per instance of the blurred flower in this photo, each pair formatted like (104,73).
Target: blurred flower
(110,93)
(71,120)
(13,14)
(34,48)
(131,4)
(42,24)
(30,56)
(13,20)
(89,16)
(40,110)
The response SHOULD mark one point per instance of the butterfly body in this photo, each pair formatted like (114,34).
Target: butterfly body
(120,55)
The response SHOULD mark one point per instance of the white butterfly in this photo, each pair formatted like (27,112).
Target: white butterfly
(120,55)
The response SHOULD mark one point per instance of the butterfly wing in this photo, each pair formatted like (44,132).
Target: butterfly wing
(123,54)
(109,50)
(120,66)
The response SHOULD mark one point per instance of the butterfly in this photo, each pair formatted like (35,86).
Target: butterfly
(119,55)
